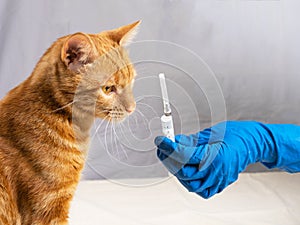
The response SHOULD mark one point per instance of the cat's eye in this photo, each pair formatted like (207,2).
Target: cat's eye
(108,89)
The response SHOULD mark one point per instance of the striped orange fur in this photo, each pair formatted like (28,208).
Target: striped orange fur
(45,123)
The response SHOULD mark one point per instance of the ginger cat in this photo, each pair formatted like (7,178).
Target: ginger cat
(45,123)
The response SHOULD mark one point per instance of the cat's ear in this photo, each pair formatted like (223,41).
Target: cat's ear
(124,35)
(77,51)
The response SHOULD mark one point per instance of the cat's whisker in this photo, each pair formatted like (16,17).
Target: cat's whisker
(119,126)
(98,127)
(112,136)
(105,137)
(142,114)
(113,143)
(135,118)
(115,136)
(144,119)
(122,127)
(139,116)
(139,111)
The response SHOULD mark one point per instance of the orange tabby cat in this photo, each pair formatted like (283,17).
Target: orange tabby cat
(45,123)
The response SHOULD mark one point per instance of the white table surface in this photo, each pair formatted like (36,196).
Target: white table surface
(256,198)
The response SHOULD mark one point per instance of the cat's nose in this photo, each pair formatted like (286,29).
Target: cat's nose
(130,108)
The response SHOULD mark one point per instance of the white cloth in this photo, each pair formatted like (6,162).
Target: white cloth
(256,198)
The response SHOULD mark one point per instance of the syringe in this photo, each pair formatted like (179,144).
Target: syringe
(166,119)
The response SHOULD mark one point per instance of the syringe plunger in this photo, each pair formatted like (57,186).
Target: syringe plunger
(166,103)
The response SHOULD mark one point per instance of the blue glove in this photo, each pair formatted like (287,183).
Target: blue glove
(207,162)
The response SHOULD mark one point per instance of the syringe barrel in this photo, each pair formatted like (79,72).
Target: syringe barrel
(167,127)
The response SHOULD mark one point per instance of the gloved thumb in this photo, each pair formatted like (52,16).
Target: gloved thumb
(163,142)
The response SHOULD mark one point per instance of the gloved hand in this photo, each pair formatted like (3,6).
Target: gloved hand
(210,160)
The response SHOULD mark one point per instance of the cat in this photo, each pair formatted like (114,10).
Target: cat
(45,122)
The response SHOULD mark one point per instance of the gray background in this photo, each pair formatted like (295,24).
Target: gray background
(251,69)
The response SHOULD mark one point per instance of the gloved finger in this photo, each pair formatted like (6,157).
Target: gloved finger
(194,185)
(160,155)
(201,186)
(191,172)
(172,165)
(212,178)
(202,155)
(217,188)
(193,139)
(223,184)
(165,143)
(211,191)
(178,152)
(185,184)
(227,181)
(182,172)
(204,186)
(205,194)
(185,154)
(191,186)
(187,140)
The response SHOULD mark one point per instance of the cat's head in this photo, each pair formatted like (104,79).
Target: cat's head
(103,71)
